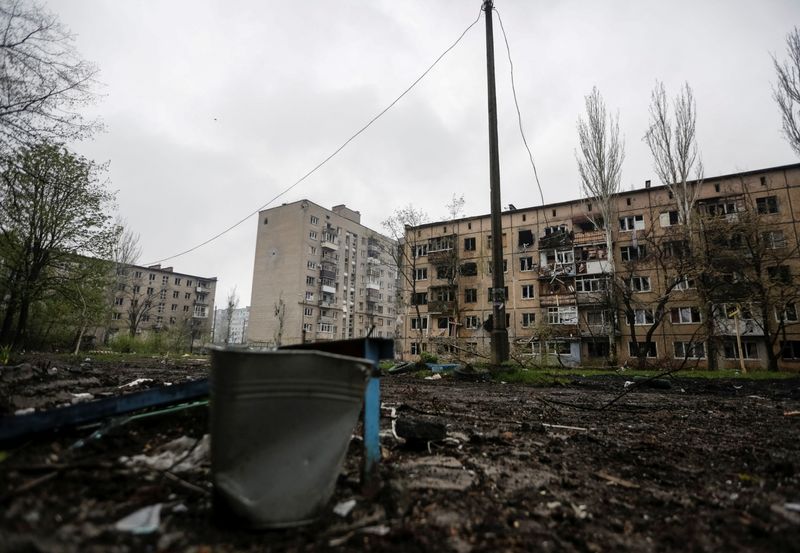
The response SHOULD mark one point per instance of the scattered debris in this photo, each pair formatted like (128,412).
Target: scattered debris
(792,507)
(144,521)
(343,509)
(85,396)
(136,382)
(616,480)
(791,413)
(180,455)
(436,376)
(26,411)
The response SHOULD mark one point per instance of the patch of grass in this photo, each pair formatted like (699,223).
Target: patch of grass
(531,377)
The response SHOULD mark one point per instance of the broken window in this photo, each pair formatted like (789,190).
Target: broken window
(469,244)
(790,349)
(528,319)
(632,253)
(419,298)
(668,219)
(639,284)
(472,322)
(774,239)
(420,250)
(527,291)
(767,204)
(591,284)
(421,274)
(444,272)
(468,269)
(690,350)
(526,263)
(632,222)
(749,349)
(648,348)
(525,238)
(780,273)
(470,295)
(442,322)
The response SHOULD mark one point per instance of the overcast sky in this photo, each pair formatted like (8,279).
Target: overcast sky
(213,107)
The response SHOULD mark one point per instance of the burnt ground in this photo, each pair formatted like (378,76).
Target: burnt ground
(706,465)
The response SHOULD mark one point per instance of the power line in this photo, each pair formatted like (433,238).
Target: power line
(519,114)
(332,155)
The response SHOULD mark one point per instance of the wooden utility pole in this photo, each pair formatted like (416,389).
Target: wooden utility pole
(499,333)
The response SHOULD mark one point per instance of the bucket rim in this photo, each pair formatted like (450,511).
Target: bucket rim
(242,350)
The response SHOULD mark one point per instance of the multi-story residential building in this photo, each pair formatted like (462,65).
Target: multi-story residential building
(320,274)
(157,298)
(233,330)
(719,291)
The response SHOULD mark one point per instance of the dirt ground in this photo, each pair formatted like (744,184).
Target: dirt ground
(701,466)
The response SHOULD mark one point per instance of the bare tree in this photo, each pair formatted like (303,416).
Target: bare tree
(673,143)
(409,249)
(230,307)
(787,90)
(455,208)
(600,166)
(43,79)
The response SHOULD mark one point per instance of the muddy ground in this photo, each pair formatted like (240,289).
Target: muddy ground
(701,466)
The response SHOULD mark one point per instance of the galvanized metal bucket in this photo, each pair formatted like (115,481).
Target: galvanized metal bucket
(281,422)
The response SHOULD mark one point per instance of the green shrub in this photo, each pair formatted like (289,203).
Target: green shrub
(426,357)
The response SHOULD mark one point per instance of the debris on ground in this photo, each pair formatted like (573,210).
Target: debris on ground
(701,466)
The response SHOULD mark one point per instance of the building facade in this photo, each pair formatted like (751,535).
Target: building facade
(233,331)
(717,290)
(157,299)
(320,274)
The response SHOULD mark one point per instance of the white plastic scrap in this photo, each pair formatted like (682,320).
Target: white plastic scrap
(179,455)
(627,384)
(792,507)
(83,396)
(144,521)
(436,376)
(26,411)
(136,382)
(343,509)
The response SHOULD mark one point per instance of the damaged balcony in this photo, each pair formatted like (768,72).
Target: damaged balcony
(556,300)
(556,263)
(442,299)
(556,237)
(441,249)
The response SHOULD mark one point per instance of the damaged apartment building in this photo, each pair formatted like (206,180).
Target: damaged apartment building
(158,299)
(715,288)
(320,275)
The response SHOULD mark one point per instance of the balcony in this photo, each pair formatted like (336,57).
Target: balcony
(328,274)
(558,270)
(373,285)
(592,298)
(441,256)
(590,237)
(592,267)
(328,302)
(328,242)
(441,306)
(556,240)
(328,289)
(556,300)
